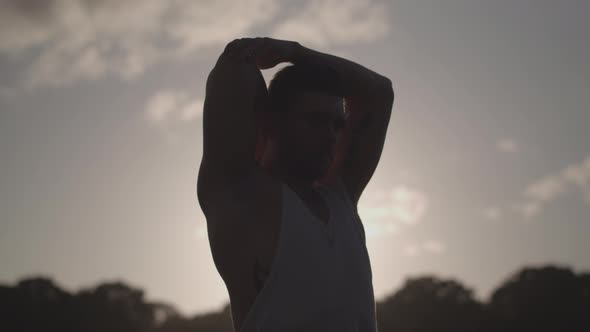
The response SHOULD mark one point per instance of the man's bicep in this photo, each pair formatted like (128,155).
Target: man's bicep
(229,128)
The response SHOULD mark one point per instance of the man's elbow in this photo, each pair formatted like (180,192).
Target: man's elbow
(387,88)
(385,93)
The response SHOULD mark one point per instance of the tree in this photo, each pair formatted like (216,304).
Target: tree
(549,298)
(541,299)
(114,307)
(33,305)
(431,304)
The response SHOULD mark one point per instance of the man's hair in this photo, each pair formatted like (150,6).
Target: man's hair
(291,81)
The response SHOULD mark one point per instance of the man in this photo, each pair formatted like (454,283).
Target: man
(280,178)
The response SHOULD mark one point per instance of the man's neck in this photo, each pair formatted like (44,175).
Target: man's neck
(303,187)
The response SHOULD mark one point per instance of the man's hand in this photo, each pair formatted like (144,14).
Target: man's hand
(265,52)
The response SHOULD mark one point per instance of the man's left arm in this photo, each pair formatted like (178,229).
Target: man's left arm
(369,101)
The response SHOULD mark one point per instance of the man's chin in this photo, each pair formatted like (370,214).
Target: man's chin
(315,176)
(315,171)
(321,173)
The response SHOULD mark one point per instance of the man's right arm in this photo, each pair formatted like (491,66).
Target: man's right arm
(235,89)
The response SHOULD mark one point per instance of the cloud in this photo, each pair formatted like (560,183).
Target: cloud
(408,205)
(202,23)
(70,40)
(530,209)
(547,188)
(552,186)
(411,250)
(83,39)
(388,210)
(492,213)
(172,106)
(22,23)
(507,145)
(327,22)
(374,229)
(86,39)
(192,110)
(578,174)
(162,104)
(434,247)
(201,232)
(430,246)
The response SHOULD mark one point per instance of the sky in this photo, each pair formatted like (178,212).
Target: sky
(485,168)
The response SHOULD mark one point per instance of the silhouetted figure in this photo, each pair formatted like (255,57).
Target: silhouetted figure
(280,178)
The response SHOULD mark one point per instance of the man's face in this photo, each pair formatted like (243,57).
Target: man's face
(312,128)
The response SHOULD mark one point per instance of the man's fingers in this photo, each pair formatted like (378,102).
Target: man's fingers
(251,48)
(247,49)
(234,49)
(230,48)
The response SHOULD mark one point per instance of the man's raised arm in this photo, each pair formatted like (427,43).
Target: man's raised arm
(369,100)
(235,87)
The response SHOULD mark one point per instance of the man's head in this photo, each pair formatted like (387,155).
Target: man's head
(308,116)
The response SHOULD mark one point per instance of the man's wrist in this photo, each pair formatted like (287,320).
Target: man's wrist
(296,52)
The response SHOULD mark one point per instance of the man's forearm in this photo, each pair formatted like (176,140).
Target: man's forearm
(355,80)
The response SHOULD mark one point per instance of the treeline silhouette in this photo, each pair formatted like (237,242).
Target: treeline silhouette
(546,298)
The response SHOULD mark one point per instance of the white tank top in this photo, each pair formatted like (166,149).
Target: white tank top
(320,278)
